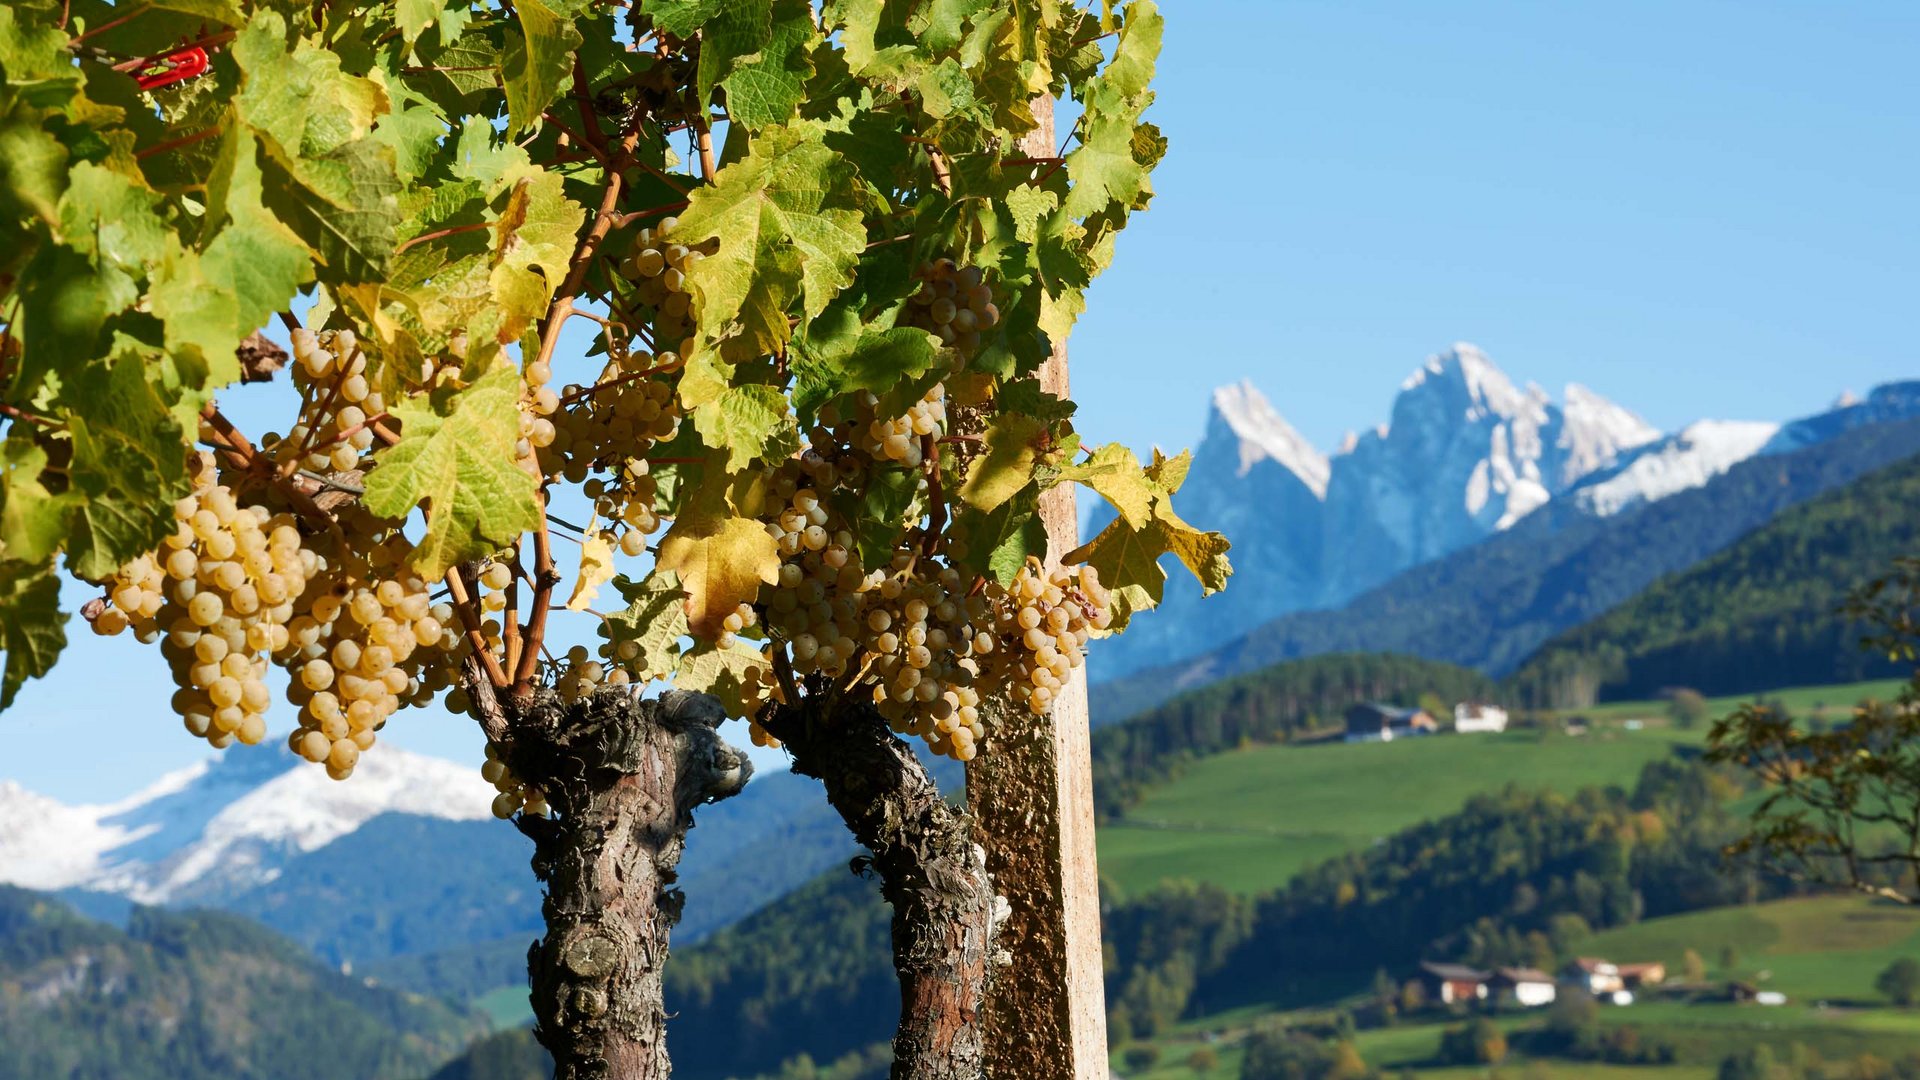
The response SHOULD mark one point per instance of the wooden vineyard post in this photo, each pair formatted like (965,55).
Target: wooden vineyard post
(1032,800)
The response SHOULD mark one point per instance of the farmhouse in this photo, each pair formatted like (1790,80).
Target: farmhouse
(1639,975)
(1452,984)
(1384,723)
(1597,977)
(1470,717)
(1525,987)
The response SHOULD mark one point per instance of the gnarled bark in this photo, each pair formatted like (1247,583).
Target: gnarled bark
(944,908)
(623,776)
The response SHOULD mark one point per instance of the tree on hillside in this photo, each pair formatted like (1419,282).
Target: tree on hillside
(1900,982)
(1842,805)
(1692,967)
(1687,708)
(1203,1061)
(1476,1042)
(798,463)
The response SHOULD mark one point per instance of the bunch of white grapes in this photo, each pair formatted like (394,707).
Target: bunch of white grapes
(601,438)
(955,304)
(657,266)
(371,641)
(1046,617)
(908,630)
(901,439)
(514,795)
(219,595)
(332,433)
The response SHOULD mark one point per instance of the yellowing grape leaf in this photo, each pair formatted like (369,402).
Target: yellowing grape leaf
(32,520)
(532,244)
(456,457)
(720,557)
(1168,473)
(655,620)
(1007,464)
(1204,553)
(788,233)
(1115,473)
(737,675)
(596,569)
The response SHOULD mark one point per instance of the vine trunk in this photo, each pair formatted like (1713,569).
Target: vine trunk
(945,911)
(623,777)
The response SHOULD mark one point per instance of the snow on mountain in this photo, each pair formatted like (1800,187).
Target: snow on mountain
(1595,432)
(1264,436)
(222,825)
(1687,459)
(1467,453)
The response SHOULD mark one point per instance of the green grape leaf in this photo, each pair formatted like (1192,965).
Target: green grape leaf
(32,520)
(301,102)
(720,557)
(128,466)
(254,258)
(1116,474)
(1125,78)
(1103,168)
(945,22)
(999,541)
(682,18)
(737,675)
(1006,465)
(538,63)
(456,456)
(344,206)
(1128,560)
(32,627)
(735,31)
(744,421)
(787,234)
(655,620)
(771,85)
(826,366)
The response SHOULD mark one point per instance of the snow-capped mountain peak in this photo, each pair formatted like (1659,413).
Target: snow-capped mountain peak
(1595,432)
(1686,459)
(1264,435)
(221,825)
(1470,376)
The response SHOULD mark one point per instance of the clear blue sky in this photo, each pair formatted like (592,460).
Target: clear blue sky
(1695,208)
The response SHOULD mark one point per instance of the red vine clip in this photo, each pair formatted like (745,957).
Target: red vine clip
(179,67)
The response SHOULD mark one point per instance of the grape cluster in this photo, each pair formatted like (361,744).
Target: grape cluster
(220,595)
(901,439)
(955,304)
(332,433)
(909,625)
(657,267)
(609,432)
(514,795)
(1046,618)
(371,640)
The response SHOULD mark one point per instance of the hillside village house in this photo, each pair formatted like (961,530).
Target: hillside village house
(1453,984)
(1607,980)
(1470,717)
(1374,722)
(1525,987)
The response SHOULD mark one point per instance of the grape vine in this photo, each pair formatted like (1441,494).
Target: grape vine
(730,308)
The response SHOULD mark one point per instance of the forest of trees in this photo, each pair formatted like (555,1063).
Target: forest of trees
(1762,614)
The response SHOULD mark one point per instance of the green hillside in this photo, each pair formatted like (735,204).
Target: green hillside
(1812,949)
(1249,820)
(1758,615)
(197,994)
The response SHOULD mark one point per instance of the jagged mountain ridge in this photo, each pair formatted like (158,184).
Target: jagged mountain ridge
(1466,454)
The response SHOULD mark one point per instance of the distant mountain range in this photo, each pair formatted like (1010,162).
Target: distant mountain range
(1466,456)
(1491,605)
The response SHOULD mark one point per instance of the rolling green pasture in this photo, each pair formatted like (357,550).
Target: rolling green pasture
(1816,949)
(1251,819)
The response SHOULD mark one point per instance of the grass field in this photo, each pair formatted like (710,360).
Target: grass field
(1819,949)
(1251,819)
(506,1007)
